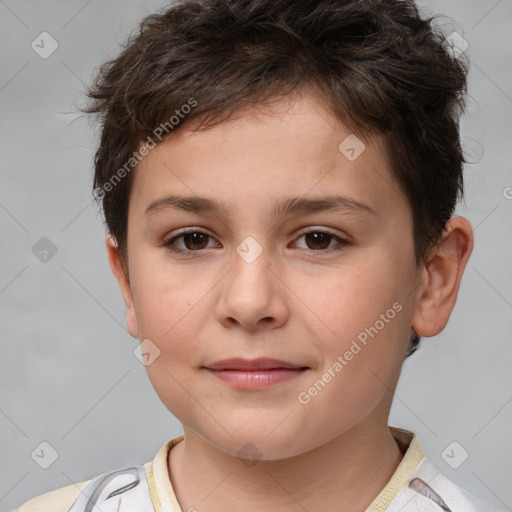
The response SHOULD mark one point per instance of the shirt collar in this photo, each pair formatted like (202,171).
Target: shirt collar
(164,499)
(413,455)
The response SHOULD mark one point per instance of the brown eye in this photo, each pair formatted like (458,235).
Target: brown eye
(321,242)
(317,240)
(188,242)
(195,240)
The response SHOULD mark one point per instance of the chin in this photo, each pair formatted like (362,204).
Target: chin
(250,441)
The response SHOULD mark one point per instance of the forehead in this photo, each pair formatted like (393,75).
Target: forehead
(293,148)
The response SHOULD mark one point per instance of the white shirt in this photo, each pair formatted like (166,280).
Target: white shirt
(415,486)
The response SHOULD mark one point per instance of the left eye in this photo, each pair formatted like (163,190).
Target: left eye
(321,240)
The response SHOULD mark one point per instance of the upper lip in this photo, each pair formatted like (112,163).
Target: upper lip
(251,364)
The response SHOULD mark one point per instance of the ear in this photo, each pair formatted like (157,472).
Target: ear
(441,277)
(118,270)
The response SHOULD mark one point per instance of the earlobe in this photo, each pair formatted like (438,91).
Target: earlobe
(442,277)
(118,270)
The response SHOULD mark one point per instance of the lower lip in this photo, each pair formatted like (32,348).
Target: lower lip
(256,379)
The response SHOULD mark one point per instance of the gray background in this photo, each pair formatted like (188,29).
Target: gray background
(68,375)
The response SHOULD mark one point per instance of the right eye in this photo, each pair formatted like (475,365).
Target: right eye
(193,241)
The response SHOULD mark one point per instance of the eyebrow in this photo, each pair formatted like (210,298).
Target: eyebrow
(196,204)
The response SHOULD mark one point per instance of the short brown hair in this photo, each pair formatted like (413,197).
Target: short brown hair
(376,65)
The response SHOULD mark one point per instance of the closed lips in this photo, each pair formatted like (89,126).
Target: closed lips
(253,365)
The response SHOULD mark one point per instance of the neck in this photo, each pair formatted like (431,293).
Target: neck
(351,469)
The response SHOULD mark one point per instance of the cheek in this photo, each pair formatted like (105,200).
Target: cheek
(172,311)
(165,301)
(168,311)
(368,314)
(356,299)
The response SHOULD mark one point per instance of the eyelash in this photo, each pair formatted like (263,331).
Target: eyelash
(169,244)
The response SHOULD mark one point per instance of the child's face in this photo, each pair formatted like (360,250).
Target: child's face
(295,302)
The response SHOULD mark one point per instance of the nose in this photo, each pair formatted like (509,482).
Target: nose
(252,296)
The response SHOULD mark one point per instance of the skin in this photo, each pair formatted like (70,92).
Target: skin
(292,303)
